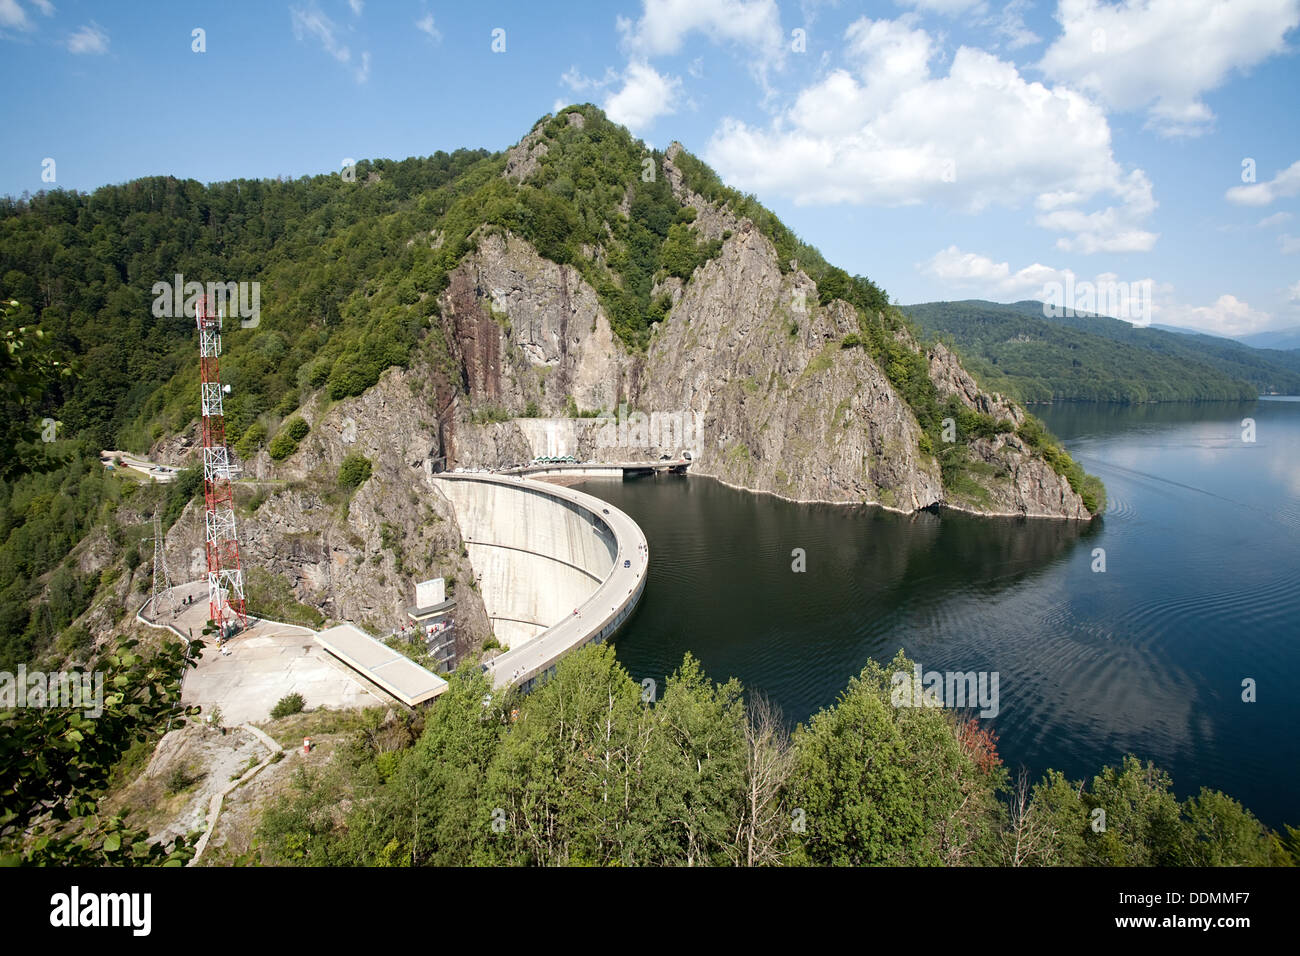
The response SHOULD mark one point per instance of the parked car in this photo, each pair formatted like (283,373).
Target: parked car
(627,562)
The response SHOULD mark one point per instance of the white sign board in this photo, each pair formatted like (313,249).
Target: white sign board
(429,593)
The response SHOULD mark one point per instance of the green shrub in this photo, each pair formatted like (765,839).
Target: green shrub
(354,471)
(297,428)
(288,705)
(253,439)
(282,446)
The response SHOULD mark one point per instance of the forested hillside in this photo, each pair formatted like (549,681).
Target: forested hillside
(352,270)
(1015,349)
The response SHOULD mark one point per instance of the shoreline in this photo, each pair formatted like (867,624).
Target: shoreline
(938,507)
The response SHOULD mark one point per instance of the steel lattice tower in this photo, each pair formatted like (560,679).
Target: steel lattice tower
(162,579)
(225,576)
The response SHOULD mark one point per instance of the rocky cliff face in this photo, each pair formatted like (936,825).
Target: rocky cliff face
(747,349)
(355,557)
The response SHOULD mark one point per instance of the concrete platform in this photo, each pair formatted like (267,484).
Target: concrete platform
(394,672)
(264,663)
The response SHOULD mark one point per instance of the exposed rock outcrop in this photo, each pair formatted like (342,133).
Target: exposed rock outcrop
(747,348)
(354,557)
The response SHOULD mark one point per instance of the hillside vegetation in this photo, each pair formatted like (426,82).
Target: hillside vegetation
(1016,350)
(587,770)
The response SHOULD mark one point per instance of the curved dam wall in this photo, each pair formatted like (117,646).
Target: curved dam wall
(538,555)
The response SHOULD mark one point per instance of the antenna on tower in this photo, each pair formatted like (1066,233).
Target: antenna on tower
(226,602)
(162,579)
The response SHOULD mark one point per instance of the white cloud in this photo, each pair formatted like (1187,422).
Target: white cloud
(13,16)
(1227,316)
(947,7)
(426,25)
(975,274)
(1163,55)
(357,6)
(644,97)
(981,275)
(664,24)
(1274,220)
(90,38)
(891,132)
(1010,25)
(311,22)
(1293,292)
(576,81)
(46,8)
(1284,185)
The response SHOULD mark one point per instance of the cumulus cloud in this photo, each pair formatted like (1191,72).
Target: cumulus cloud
(890,131)
(579,83)
(1284,185)
(1228,316)
(644,96)
(664,25)
(91,38)
(980,275)
(1163,55)
(974,274)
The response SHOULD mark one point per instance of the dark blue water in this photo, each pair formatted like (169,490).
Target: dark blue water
(1201,591)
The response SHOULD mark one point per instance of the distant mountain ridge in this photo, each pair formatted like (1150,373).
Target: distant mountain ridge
(1017,349)
(1280,339)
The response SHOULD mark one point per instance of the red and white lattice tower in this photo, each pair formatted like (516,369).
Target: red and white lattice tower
(225,576)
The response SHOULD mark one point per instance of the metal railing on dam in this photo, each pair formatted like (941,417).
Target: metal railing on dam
(483,502)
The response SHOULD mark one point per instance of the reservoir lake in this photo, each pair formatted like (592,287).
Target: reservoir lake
(1201,591)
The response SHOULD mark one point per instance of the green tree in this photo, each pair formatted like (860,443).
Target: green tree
(695,769)
(568,778)
(879,784)
(31,370)
(55,764)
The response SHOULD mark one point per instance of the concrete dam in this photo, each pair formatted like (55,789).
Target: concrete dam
(557,568)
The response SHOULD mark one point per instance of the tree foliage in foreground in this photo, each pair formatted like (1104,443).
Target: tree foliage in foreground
(56,762)
(587,771)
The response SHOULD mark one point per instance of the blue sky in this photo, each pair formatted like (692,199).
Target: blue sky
(946,148)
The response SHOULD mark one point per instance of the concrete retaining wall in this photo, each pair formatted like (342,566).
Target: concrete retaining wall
(537,556)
